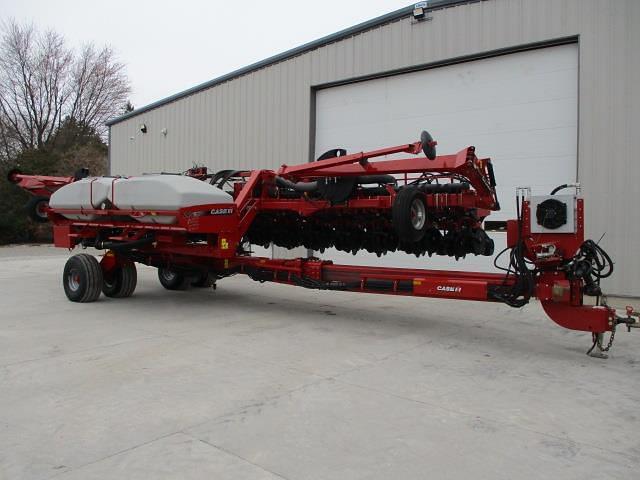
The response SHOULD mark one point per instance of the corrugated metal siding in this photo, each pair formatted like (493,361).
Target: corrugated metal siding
(262,119)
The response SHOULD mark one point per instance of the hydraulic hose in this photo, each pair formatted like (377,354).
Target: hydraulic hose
(313,186)
(558,188)
(298,186)
(124,245)
(379,179)
(563,186)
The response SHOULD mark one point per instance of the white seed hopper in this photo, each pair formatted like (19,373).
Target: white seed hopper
(147,192)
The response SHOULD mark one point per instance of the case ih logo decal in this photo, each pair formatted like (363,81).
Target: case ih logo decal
(222,211)
(447,288)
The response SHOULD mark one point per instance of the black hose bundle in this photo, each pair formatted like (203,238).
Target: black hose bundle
(602,265)
(591,264)
(223,176)
(520,292)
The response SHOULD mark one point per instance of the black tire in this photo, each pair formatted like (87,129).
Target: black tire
(121,282)
(204,280)
(409,215)
(36,209)
(172,280)
(489,248)
(82,278)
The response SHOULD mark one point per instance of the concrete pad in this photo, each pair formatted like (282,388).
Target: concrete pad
(260,381)
(171,457)
(77,408)
(569,404)
(333,430)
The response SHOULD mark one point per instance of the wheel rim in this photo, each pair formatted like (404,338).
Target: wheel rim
(418,214)
(108,283)
(168,275)
(41,209)
(73,280)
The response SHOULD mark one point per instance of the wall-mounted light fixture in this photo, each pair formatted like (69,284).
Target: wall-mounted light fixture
(143,128)
(420,11)
(164,132)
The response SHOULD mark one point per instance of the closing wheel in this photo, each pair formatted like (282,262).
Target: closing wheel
(121,281)
(82,278)
(409,214)
(335,152)
(11,175)
(36,209)
(428,145)
(172,280)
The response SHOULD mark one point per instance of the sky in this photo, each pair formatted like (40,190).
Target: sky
(171,46)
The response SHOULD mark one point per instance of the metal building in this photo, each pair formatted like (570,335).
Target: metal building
(547,88)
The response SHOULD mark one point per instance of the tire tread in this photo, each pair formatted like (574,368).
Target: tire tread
(128,281)
(90,273)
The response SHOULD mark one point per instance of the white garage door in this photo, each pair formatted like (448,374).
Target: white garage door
(519,109)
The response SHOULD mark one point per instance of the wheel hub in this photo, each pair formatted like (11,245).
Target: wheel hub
(73,280)
(418,214)
(168,275)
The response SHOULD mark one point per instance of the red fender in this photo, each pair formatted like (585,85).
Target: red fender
(584,318)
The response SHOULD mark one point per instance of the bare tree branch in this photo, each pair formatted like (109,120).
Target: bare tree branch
(43,83)
(100,87)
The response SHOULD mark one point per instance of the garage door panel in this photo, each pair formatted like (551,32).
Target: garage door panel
(489,130)
(442,95)
(519,109)
(487,119)
(437,103)
(367,112)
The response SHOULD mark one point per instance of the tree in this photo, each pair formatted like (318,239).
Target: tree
(53,106)
(99,88)
(76,145)
(43,83)
(71,147)
(8,147)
